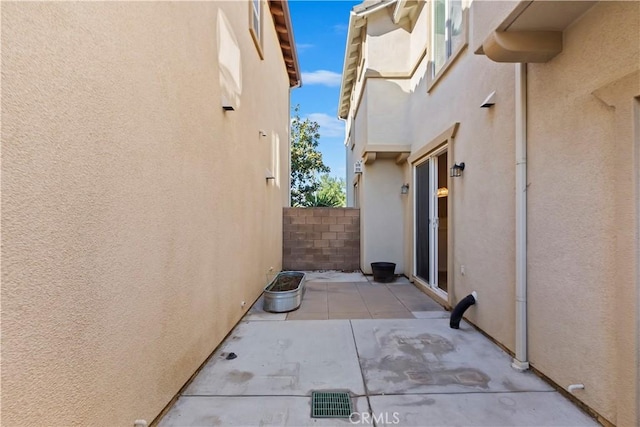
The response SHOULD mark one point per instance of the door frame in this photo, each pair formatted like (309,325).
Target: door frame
(433,279)
(443,141)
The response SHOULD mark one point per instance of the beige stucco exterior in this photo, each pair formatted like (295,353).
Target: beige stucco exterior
(582,185)
(136,214)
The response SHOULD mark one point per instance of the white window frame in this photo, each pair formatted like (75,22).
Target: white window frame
(452,52)
(255,19)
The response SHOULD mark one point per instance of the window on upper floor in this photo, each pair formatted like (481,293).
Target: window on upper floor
(255,24)
(447,32)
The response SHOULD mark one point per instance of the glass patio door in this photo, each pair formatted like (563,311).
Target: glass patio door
(431,220)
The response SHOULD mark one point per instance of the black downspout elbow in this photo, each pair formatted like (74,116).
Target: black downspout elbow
(458,311)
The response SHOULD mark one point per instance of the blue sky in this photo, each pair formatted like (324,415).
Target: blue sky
(320,32)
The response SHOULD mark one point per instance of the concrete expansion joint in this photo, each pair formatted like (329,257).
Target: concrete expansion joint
(456,393)
(254,395)
(363,377)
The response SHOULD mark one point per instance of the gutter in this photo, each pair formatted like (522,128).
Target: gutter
(521,361)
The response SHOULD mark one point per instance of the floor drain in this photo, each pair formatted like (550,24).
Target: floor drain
(330,404)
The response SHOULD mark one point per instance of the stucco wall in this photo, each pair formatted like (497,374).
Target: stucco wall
(381,215)
(482,200)
(136,214)
(388,45)
(350,159)
(387,111)
(583,215)
(581,255)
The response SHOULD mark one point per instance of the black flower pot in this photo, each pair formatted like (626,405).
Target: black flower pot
(383,272)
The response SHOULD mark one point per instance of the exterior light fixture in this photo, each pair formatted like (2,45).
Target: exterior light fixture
(442,192)
(404,189)
(456,169)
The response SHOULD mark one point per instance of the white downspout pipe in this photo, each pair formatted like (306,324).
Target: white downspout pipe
(521,361)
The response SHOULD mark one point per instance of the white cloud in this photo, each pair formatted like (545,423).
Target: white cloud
(340,28)
(301,47)
(322,77)
(330,127)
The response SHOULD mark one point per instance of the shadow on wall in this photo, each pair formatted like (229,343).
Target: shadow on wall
(229,58)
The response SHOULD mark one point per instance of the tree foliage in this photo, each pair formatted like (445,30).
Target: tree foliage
(306,160)
(330,193)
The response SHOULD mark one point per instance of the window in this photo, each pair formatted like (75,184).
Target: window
(255,24)
(447,32)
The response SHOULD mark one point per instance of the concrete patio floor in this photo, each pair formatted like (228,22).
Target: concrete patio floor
(389,345)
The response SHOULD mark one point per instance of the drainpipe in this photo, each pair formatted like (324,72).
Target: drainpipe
(521,362)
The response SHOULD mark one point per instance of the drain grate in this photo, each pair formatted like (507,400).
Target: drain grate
(330,404)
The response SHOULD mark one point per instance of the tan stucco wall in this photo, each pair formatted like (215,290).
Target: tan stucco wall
(358,137)
(582,290)
(582,196)
(388,45)
(128,199)
(387,111)
(381,218)
(482,216)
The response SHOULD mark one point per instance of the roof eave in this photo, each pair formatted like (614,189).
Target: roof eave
(357,20)
(348,74)
(282,21)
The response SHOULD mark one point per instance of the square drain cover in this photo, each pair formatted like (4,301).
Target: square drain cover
(330,404)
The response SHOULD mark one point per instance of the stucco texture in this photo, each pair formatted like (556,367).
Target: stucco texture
(582,189)
(135,213)
(482,199)
(582,291)
(381,222)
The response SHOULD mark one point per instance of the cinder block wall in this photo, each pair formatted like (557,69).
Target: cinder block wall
(321,239)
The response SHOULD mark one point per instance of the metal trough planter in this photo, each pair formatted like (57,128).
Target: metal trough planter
(284,293)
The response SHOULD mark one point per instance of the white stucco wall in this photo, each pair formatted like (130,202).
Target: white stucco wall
(381,216)
(128,199)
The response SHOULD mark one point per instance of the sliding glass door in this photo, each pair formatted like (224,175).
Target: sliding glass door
(431,220)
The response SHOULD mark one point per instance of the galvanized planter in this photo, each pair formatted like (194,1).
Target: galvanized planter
(277,301)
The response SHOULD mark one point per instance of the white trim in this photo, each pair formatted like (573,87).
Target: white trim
(434,77)
(442,294)
(357,21)
(437,291)
(414,166)
(636,122)
(521,361)
(432,159)
(256,33)
(397,11)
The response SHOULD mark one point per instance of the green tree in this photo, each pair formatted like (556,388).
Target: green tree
(330,193)
(306,160)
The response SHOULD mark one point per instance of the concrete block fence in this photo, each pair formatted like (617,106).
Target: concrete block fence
(321,239)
